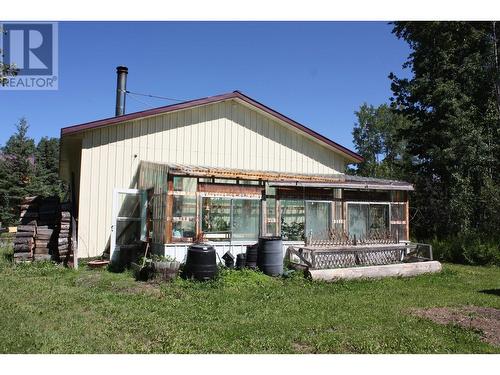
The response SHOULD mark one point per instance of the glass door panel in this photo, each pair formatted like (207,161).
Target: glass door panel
(129,219)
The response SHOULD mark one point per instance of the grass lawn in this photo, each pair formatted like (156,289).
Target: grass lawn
(48,309)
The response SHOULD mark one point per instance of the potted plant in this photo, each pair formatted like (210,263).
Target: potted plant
(165,267)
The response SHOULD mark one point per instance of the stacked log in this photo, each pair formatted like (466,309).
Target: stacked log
(64,239)
(47,229)
(24,239)
(44,232)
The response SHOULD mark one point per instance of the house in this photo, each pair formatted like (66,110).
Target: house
(227,168)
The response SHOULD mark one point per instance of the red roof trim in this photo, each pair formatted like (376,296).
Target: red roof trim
(197,102)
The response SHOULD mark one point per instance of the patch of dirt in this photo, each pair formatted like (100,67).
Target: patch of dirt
(302,348)
(486,320)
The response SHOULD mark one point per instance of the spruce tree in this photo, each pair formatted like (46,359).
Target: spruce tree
(17,173)
(47,182)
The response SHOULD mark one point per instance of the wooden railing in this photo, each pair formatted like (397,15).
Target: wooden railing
(342,238)
(330,257)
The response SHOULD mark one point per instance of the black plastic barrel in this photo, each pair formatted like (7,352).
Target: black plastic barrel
(270,255)
(251,256)
(201,262)
(240,261)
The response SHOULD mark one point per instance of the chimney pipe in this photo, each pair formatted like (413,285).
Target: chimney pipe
(121,89)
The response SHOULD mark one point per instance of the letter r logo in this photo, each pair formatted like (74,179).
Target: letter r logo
(30,47)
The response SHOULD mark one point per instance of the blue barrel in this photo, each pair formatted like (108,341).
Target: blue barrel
(270,255)
(201,262)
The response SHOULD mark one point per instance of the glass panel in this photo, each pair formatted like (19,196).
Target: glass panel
(224,181)
(246,219)
(128,232)
(398,232)
(205,180)
(398,212)
(270,190)
(129,205)
(185,184)
(184,206)
(184,217)
(358,220)
(183,229)
(292,220)
(216,215)
(379,218)
(271,216)
(317,220)
(249,182)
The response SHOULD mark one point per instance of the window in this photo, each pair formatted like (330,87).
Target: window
(270,216)
(398,220)
(184,217)
(318,220)
(270,224)
(186,184)
(367,219)
(292,219)
(246,219)
(230,219)
(184,209)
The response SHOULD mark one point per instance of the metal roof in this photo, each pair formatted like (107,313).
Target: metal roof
(340,180)
(212,99)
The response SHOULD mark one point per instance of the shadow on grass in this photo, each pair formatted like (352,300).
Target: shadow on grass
(495,292)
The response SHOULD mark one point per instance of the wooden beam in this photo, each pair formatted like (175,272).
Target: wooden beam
(169,210)
(278,217)
(263,217)
(407,217)
(230,189)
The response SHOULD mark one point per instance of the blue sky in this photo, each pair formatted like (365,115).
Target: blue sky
(317,73)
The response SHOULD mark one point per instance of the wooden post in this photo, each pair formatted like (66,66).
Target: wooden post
(407,206)
(169,209)
(74,243)
(198,215)
(278,216)
(263,223)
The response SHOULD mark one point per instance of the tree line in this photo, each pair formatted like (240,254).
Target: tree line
(27,169)
(440,130)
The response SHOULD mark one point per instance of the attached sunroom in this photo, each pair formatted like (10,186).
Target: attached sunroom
(232,208)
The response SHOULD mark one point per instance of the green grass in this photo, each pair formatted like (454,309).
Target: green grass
(49,309)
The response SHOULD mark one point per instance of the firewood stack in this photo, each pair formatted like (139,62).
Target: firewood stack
(64,239)
(47,229)
(44,232)
(24,239)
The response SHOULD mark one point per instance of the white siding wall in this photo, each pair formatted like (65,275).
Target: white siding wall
(225,134)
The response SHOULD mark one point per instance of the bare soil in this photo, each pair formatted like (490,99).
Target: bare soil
(485,320)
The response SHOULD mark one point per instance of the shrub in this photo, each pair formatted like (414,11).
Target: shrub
(468,248)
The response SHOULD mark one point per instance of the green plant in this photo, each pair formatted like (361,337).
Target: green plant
(467,248)
(162,258)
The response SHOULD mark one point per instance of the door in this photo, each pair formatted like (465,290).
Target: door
(129,219)
(318,220)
